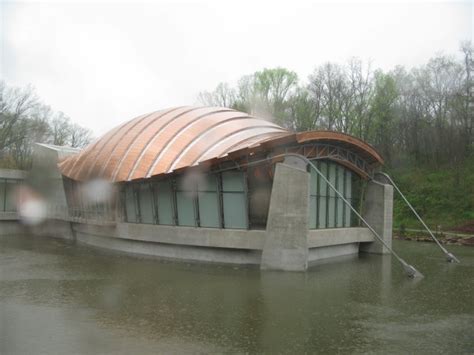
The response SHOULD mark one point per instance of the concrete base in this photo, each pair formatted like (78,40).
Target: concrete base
(11,228)
(318,255)
(378,212)
(172,251)
(286,242)
(53,228)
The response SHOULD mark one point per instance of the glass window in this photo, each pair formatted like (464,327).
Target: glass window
(340,202)
(348,191)
(164,196)
(130,208)
(331,212)
(208,202)
(2,194)
(327,209)
(185,193)
(332,178)
(313,198)
(312,212)
(145,199)
(323,193)
(10,200)
(322,212)
(234,200)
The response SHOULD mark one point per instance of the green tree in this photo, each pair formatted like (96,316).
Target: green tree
(384,113)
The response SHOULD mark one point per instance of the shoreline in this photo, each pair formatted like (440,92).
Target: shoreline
(467,240)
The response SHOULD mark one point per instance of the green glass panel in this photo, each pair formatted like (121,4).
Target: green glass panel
(332,178)
(208,183)
(348,212)
(164,195)
(331,212)
(185,206)
(340,179)
(146,204)
(2,195)
(348,184)
(340,212)
(209,209)
(233,181)
(322,183)
(347,215)
(314,182)
(322,212)
(312,212)
(130,204)
(235,211)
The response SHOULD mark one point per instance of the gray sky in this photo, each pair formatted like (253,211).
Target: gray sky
(102,64)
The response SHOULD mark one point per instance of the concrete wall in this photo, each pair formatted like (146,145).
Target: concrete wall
(378,212)
(336,236)
(211,245)
(45,175)
(286,242)
(11,228)
(13,174)
(173,242)
(327,244)
(189,236)
(54,228)
(323,254)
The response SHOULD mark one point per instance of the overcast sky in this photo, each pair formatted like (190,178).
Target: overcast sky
(103,64)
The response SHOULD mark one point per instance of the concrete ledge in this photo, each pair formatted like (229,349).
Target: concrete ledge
(325,254)
(54,228)
(190,236)
(335,236)
(9,216)
(13,174)
(9,227)
(173,252)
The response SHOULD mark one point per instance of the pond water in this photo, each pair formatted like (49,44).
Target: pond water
(58,297)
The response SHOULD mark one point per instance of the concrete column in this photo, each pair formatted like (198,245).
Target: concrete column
(378,212)
(286,243)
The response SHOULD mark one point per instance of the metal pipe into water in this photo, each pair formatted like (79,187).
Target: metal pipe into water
(449,256)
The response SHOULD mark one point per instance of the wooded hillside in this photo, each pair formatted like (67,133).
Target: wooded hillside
(420,119)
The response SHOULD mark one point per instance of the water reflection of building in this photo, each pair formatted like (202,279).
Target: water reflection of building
(215,184)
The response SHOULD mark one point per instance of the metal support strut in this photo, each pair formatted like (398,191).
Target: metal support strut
(449,256)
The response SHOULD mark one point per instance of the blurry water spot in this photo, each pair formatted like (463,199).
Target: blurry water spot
(97,190)
(32,211)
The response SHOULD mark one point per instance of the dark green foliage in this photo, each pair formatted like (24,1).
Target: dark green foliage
(442,196)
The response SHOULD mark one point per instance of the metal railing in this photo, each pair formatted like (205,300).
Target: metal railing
(103,216)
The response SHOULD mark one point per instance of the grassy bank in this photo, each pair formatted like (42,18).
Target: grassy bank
(443,196)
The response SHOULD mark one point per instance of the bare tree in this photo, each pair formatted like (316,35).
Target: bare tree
(80,136)
(25,121)
(222,96)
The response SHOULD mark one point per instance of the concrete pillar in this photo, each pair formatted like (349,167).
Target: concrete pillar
(286,244)
(378,212)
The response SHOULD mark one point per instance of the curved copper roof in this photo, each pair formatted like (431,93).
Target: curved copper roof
(163,141)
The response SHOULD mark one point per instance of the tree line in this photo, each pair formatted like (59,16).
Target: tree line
(25,120)
(421,115)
